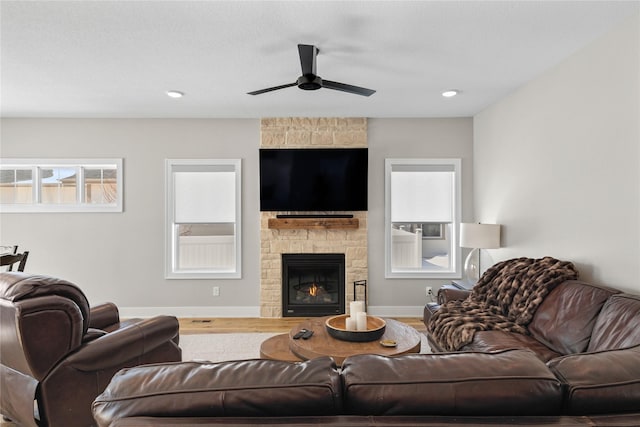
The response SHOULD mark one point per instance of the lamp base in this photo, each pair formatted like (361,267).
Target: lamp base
(472,266)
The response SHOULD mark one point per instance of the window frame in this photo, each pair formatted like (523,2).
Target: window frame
(37,165)
(171,272)
(455,251)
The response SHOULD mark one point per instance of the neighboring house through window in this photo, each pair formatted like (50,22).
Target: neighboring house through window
(61,185)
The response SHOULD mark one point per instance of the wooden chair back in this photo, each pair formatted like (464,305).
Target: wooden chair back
(9,260)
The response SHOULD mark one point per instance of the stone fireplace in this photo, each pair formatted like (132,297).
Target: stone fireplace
(345,237)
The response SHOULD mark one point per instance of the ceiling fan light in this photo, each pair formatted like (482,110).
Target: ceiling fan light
(450,93)
(175,94)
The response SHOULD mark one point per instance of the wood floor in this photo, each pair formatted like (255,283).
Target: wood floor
(219,325)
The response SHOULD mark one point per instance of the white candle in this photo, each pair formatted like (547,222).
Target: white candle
(351,324)
(355,307)
(361,321)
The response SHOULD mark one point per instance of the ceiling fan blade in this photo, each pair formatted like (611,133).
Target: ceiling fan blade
(347,88)
(269,89)
(308,54)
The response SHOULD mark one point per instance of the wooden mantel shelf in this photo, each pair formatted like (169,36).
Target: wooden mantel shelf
(314,223)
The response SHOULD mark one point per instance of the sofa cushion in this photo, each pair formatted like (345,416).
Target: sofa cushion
(601,382)
(511,382)
(565,319)
(486,341)
(225,389)
(617,325)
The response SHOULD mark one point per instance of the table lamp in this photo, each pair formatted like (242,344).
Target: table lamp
(477,236)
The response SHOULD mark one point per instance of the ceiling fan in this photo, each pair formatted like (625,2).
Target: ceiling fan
(309,80)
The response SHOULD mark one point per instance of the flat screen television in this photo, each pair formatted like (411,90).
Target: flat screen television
(313,179)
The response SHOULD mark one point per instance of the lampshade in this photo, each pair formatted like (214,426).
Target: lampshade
(482,236)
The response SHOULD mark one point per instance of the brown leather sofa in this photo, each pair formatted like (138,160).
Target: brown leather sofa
(508,387)
(580,365)
(57,354)
(575,317)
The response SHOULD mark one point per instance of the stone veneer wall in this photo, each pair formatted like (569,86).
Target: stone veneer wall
(312,133)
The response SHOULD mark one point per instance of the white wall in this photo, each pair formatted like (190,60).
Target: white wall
(558,163)
(119,256)
(410,138)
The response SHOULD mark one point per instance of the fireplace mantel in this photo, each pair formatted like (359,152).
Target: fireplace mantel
(314,223)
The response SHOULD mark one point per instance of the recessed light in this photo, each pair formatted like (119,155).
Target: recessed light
(175,94)
(450,93)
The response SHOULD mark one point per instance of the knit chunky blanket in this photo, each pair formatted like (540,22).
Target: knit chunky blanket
(505,299)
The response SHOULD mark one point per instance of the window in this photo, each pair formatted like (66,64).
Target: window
(203,219)
(78,185)
(422,214)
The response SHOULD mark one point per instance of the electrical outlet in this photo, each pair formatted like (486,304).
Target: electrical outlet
(216,291)
(429,290)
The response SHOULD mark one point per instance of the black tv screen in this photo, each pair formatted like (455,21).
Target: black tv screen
(313,179)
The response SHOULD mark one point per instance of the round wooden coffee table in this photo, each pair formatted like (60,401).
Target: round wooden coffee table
(284,347)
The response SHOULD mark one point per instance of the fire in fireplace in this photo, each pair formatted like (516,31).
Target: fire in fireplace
(313,284)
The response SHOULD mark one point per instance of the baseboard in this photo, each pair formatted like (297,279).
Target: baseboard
(251,311)
(186,312)
(396,311)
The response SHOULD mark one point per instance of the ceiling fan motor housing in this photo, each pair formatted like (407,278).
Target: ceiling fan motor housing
(309,82)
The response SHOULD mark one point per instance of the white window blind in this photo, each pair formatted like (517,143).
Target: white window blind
(205,197)
(422,196)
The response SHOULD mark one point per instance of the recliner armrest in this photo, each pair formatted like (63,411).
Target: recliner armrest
(103,315)
(122,345)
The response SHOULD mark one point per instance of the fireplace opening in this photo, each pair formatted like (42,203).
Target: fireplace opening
(313,284)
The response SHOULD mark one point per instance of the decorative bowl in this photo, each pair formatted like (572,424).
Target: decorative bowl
(336,327)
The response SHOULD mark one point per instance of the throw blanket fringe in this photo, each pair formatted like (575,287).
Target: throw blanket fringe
(505,299)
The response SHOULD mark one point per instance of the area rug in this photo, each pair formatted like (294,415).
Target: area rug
(220,347)
(232,346)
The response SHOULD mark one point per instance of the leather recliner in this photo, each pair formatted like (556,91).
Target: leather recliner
(57,353)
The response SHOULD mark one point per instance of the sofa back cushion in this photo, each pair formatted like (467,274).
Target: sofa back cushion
(510,382)
(600,382)
(246,388)
(565,319)
(617,325)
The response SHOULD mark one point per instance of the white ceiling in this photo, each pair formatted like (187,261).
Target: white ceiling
(118,58)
